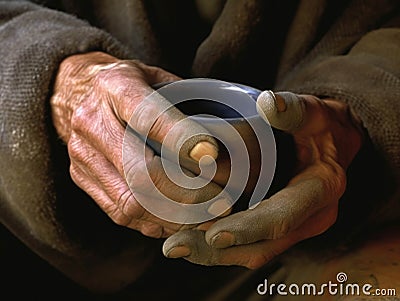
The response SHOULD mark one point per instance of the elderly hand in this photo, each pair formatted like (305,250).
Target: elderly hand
(94,98)
(327,136)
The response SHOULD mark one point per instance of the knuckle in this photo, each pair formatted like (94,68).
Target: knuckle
(75,174)
(57,99)
(74,148)
(137,175)
(280,229)
(277,222)
(124,199)
(213,259)
(158,128)
(132,65)
(167,232)
(129,206)
(125,87)
(118,76)
(156,172)
(103,77)
(117,216)
(258,260)
(146,118)
(336,181)
(135,169)
(156,117)
(151,230)
(82,118)
(79,151)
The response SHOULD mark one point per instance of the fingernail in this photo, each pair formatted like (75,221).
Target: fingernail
(272,101)
(280,103)
(221,207)
(205,150)
(179,251)
(270,105)
(223,240)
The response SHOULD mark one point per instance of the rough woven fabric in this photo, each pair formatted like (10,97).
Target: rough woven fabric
(341,49)
(33,43)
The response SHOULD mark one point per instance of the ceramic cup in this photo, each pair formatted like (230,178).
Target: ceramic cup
(247,146)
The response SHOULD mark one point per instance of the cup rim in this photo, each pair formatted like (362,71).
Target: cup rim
(250,91)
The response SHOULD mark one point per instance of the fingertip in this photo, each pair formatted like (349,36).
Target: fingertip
(265,105)
(204,150)
(274,102)
(177,252)
(283,110)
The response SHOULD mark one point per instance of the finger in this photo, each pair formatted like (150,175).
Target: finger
(102,198)
(145,182)
(141,168)
(192,246)
(146,173)
(97,125)
(271,219)
(111,192)
(154,117)
(284,110)
(155,75)
(292,113)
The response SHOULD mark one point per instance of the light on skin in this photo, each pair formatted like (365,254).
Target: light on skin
(221,207)
(204,149)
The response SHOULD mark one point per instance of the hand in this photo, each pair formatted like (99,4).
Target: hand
(94,98)
(327,136)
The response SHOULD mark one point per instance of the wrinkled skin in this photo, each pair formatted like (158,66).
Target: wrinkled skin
(327,136)
(94,97)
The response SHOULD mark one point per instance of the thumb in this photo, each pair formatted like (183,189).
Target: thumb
(283,110)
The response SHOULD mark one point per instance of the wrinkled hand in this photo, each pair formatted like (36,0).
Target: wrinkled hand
(94,98)
(327,136)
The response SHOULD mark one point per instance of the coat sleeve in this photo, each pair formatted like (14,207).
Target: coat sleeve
(39,202)
(367,77)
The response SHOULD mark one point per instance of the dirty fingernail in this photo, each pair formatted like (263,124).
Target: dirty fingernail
(204,149)
(280,103)
(179,251)
(223,240)
(221,207)
(272,101)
